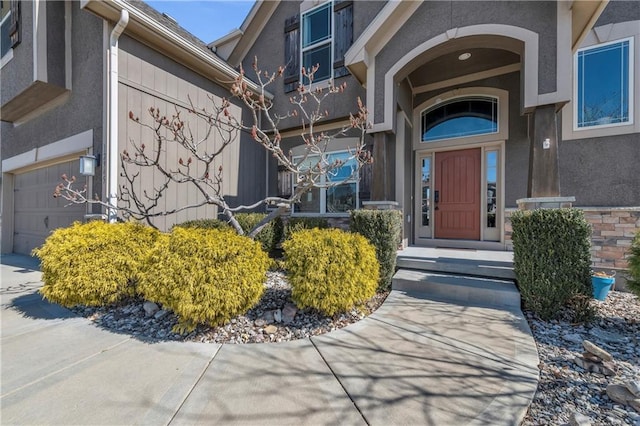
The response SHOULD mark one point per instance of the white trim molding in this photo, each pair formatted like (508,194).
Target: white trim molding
(404,66)
(597,36)
(503,118)
(64,147)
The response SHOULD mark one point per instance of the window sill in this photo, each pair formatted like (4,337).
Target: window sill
(571,133)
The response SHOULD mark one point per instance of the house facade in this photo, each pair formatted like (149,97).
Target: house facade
(71,73)
(477,108)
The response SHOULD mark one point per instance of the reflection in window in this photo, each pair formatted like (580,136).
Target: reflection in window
(460,118)
(335,199)
(426,189)
(316,41)
(491,182)
(603,89)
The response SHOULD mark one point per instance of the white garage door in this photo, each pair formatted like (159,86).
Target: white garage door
(36,211)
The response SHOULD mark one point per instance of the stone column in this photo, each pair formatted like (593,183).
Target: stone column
(544,175)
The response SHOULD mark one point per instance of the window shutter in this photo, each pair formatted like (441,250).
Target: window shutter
(14,26)
(343,15)
(291,53)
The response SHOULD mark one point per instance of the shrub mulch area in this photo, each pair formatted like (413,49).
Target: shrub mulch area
(274,319)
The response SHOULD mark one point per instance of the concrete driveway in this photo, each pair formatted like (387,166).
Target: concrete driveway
(414,361)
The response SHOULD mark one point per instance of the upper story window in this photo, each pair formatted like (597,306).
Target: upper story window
(9,26)
(317,35)
(462,117)
(321,37)
(603,92)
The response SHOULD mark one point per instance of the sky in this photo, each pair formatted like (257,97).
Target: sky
(208,20)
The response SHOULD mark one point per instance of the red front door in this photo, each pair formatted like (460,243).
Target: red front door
(457,194)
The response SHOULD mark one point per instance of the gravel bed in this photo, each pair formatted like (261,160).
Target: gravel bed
(274,319)
(566,392)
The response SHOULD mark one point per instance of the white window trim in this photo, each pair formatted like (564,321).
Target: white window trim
(323,192)
(595,37)
(503,118)
(629,89)
(9,55)
(454,100)
(330,41)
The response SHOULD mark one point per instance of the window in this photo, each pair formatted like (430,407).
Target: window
(320,37)
(317,31)
(9,26)
(339,189)
(457,118)
(603,84)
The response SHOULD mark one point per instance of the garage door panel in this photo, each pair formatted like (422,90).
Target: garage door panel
(36,211)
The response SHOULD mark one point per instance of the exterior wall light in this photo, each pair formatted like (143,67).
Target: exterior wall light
(464,56)
(88,164)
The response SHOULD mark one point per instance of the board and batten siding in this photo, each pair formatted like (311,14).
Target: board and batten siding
(143,85)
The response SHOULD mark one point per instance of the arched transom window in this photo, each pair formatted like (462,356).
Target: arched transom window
(460,117)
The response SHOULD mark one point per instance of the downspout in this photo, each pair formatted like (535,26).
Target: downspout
(113,113)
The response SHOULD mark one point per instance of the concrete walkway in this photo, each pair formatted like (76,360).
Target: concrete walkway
(414,361)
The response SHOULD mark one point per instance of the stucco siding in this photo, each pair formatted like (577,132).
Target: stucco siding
(148,79)
(56,43)
(83,109)
(436,17)
(17,74)
(619,11)
(601,171)
(269,49)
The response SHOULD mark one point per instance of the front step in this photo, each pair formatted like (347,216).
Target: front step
(459,288)
(499,269)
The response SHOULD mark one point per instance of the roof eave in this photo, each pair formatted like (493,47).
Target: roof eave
(169,43)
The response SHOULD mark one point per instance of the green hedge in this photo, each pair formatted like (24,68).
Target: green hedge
(633,280)
(203,224)
(205,276)
(295,224)
(552,261)
(270,236)
(330,270)
(95,263)
(383,229)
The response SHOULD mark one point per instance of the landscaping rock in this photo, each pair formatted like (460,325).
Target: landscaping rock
(150,308)
(160,314)
(634,387)
(619,394)
(579,419)
(271,329)
(289,313)
(573,338)
(277,316)
(260,322)
(597,351)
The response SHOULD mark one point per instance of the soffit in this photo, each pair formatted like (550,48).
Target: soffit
(584,14)
(188,51)
(448,66)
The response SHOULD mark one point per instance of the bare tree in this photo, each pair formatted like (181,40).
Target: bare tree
(201,166)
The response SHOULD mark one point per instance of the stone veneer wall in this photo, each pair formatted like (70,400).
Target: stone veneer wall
(613,230)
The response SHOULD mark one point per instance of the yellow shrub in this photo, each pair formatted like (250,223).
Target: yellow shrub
(205,276)
(330,270)
(93,264)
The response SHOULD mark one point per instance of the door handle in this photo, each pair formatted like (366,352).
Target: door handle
(436,196)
